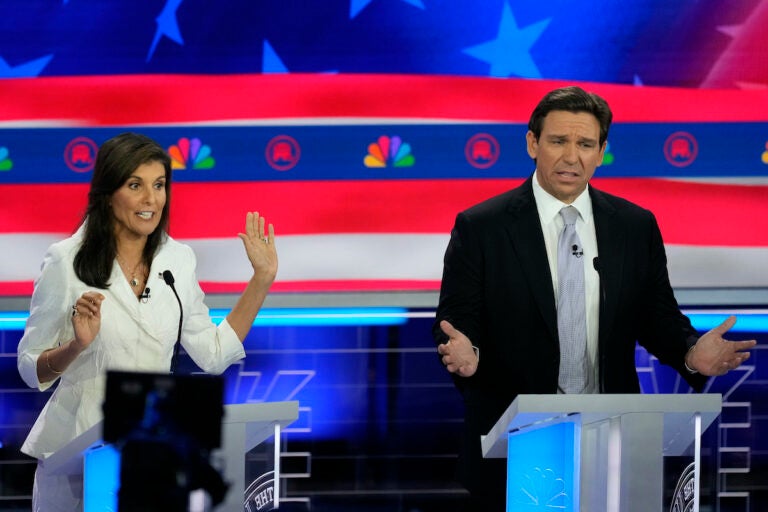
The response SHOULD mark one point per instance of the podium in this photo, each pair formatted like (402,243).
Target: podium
(599,452)
(244,426)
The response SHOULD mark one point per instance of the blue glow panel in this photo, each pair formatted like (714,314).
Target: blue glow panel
(102,479)
(746,322)
(322,316)
(15,320)
(543,468)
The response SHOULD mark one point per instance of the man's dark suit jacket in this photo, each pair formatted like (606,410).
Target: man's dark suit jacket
(497,289)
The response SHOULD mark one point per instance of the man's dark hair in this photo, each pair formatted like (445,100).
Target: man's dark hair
(572,99)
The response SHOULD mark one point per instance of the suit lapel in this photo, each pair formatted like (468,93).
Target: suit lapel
(527,239)
(611,247)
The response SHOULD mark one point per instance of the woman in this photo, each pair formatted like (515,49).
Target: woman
(101,303)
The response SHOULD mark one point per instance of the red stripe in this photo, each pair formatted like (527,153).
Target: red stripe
(296,208)
(331,285)
(699,214)
(737,213)
(42,208)
(689,213)
(148,99)
(16,288)
(24,288)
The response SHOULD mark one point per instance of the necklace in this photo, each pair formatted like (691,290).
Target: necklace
(134,282)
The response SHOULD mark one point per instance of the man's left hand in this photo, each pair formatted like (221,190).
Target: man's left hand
(713,355)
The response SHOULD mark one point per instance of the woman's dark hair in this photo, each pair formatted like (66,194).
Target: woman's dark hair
(572,99)
(116,160)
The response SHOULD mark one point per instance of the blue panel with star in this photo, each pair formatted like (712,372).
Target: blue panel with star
(648,42)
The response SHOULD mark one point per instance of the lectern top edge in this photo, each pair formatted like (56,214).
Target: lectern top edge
(529,410)
(69,458)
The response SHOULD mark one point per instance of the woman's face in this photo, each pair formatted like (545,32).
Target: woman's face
(138,204)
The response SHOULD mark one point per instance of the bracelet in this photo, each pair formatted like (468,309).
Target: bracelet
(685,363)
(48,363)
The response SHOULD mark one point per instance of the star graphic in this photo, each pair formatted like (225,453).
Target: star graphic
(751,86)
(509,54)
(356,6)
(167,26)
(26,70)
(741,64)
(731,31)
(270,62)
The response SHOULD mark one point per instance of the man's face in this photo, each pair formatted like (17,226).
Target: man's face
(567,153)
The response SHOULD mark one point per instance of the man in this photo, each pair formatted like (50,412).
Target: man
(509,281)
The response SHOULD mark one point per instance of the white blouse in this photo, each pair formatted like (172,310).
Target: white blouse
(134,336)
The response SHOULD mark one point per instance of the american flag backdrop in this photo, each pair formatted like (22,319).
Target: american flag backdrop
(361,127)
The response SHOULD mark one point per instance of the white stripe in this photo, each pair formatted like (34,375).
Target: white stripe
(22,254)
(386,256)
(712,267)
(724,180)
(333,256)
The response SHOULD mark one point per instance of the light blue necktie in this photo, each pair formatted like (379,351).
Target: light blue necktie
(571,309)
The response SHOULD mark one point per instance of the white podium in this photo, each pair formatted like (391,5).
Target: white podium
(244,426)
(612,448)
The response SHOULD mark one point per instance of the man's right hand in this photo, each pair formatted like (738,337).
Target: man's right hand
(458,354)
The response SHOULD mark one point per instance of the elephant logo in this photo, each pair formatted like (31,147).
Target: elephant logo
(482,151)
(80,154)
(681,149)
(283,153)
